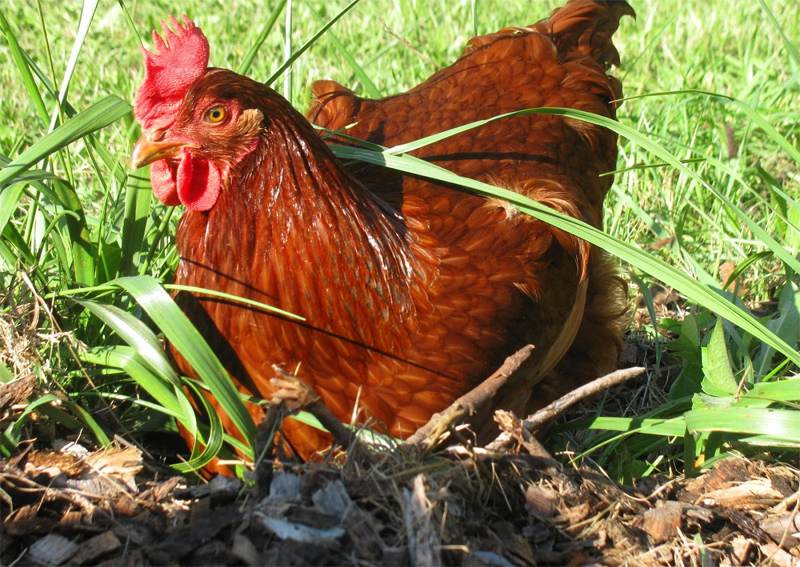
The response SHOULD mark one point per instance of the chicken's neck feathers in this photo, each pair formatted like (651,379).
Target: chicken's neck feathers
(317,241)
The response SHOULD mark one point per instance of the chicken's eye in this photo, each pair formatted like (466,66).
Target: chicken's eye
(216,114)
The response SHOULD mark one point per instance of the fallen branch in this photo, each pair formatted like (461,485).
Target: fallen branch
(469,402)
(550,411)
(535,421)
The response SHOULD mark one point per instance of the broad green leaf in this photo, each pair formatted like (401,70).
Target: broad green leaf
(128,359)
(12,433)
(764,394)
(718,376)
(138,199)
(208,441)
(84,249)
(86,418)
(20,251)
(9,199)
(664,427)
(42,404)
(786,324)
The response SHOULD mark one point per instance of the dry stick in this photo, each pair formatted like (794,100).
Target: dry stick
(550,411)
(559,406)
(466,404)
(265,448)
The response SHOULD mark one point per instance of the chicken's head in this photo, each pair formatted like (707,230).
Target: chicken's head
(194,129)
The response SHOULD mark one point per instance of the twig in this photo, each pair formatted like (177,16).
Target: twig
(514,428)
(466,404)
(265,448)
(550,411)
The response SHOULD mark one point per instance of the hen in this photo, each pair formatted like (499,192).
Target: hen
(412,292)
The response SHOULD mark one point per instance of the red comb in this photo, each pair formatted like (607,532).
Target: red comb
(177,60)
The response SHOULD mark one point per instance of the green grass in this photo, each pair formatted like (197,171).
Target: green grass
(708,156)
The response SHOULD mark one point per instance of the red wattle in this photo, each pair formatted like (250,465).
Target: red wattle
(198,183)
(163,182)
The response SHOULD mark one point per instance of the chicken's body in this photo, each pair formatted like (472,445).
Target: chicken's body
(412,292)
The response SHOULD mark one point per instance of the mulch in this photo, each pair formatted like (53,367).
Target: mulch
(458,506)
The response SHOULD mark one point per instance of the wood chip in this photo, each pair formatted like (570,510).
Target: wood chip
(541,500)
(245,551)
(53,549)
(725,474)
(95,547)
(333,499)
(285,529)
(212,554)
(15,391)
(395,557)
(162,490)
(285,487)
(488,559)
(125,506)
(778,556)
(662,522)
(784,529)
(571,515)
(740,549)
(119,464)
(753,494)
(185,540)
(134,533)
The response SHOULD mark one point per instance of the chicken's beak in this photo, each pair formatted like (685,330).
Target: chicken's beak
(147,151)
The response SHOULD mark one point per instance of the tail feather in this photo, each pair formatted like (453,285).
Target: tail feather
(587,26)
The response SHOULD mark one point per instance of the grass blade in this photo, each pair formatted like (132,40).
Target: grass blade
(127,359)
(87,14)
(244,66)
(138,200)
(184,336)
(97,116)
(309,43)
(22,64)
(370,88)
(137,335)
(786,41)
(780,425)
